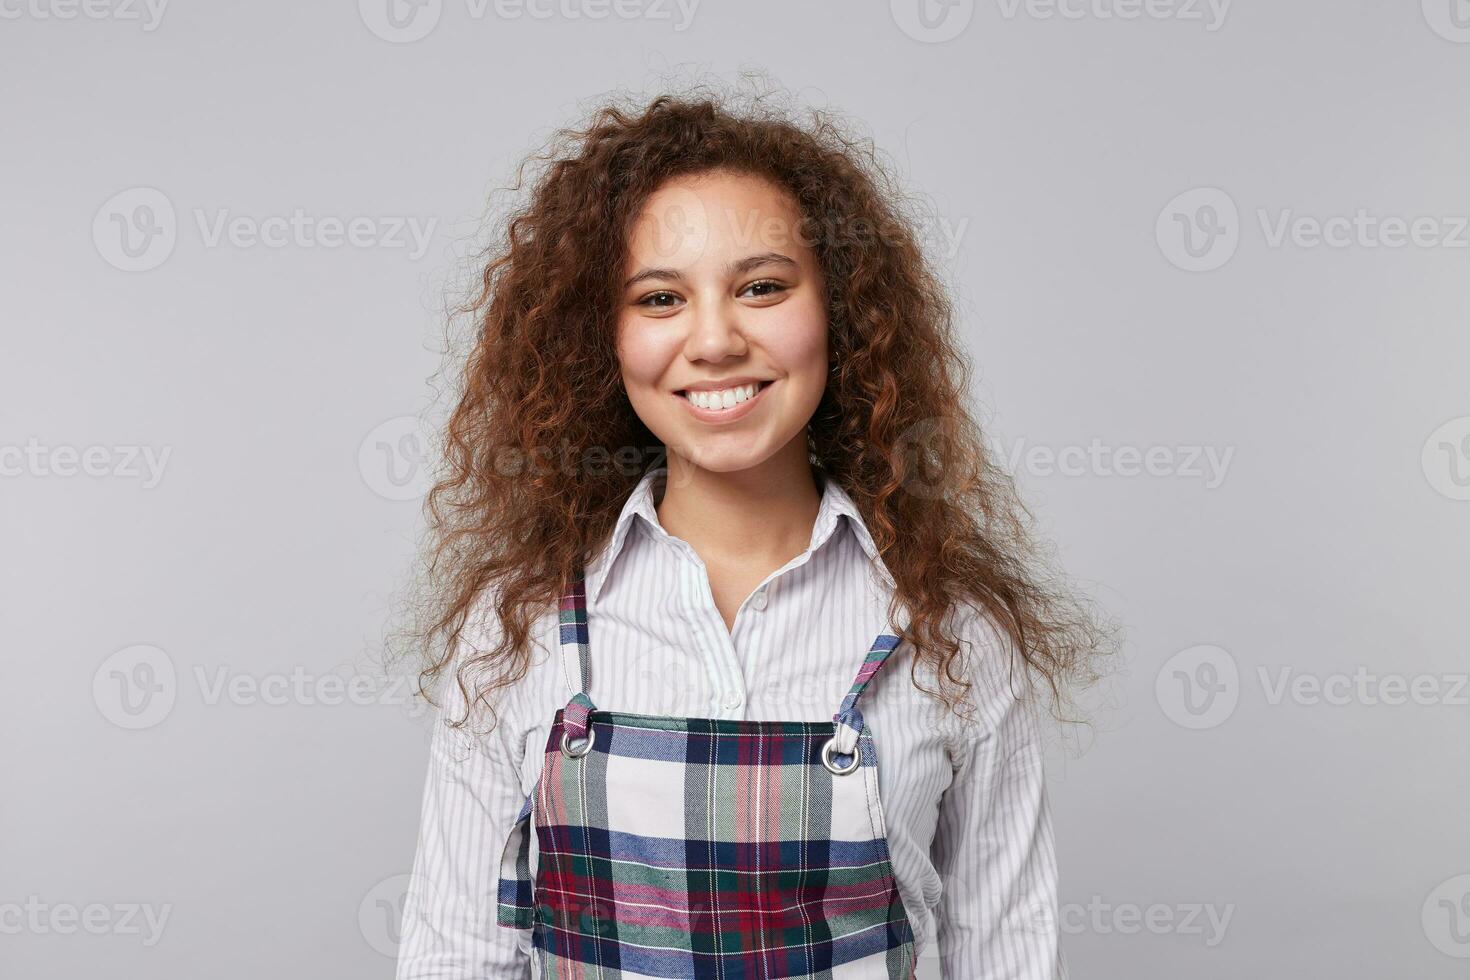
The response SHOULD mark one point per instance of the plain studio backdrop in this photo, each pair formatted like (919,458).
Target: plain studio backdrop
(1211,262)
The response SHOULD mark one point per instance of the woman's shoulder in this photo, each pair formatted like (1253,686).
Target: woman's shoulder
(999,679)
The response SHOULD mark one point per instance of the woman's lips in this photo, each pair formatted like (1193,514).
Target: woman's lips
(719,415)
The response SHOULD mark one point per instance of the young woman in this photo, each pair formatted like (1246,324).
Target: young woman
(742,630)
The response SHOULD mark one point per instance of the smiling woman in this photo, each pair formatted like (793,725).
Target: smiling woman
(731,322)
(816,568)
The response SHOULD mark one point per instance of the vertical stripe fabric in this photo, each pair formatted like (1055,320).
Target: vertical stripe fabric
(967,818)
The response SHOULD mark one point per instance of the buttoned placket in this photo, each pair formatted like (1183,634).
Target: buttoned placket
(707,627)
(725,663)
(743,633)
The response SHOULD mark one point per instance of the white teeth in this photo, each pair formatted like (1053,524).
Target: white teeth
(723,398)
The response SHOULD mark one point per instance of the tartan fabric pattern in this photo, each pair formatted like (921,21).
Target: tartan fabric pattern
(705,848)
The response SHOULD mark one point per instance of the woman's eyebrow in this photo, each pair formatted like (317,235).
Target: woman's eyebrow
(734,268)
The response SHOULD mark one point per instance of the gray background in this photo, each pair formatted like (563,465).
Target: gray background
(173,742)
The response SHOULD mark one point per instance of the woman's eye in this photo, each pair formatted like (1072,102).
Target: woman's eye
(658,299)
(766,287)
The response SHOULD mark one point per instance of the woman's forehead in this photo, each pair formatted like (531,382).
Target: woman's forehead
(717,219)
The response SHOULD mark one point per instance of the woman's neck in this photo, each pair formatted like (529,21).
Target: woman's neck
(763,514)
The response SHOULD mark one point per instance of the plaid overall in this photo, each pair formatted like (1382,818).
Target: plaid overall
(703,847)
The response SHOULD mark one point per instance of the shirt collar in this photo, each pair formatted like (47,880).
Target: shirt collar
(835,504)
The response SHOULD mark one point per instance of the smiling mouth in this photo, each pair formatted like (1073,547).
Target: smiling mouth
(722,399)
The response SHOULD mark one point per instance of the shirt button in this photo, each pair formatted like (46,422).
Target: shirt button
(758,601)
(733,700)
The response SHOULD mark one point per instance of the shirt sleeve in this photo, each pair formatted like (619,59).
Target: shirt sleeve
(472,795)
(993,846)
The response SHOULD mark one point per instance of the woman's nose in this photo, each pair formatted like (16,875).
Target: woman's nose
(714,332)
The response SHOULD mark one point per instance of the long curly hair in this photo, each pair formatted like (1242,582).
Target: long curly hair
(543,447)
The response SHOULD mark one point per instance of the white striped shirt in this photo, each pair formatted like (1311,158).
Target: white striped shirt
(964,800)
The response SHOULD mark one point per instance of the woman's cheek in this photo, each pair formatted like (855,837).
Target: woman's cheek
(797,342)
(642,354)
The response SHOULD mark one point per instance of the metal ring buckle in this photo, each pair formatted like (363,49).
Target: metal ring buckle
(832,767)
(567,750)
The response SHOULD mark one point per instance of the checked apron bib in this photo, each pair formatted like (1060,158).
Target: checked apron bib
(695,848)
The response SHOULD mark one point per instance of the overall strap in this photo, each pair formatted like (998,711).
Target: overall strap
(849,717)
(576,655)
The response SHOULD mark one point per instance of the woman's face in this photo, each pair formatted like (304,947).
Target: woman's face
(722,321)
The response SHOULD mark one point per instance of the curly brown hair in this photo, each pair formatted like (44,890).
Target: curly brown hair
(542,379)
